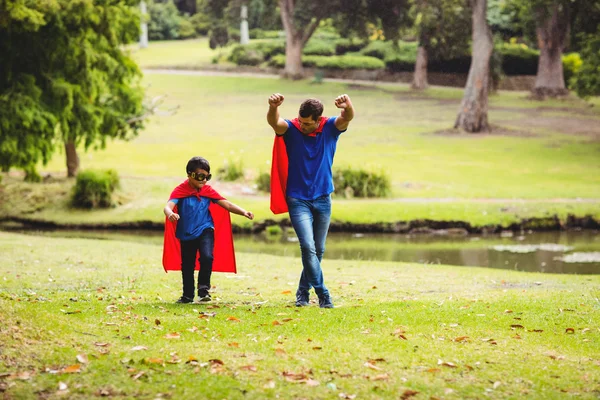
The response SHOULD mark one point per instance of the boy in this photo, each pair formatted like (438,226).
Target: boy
(198,226)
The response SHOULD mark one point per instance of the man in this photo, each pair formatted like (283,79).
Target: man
(310,143)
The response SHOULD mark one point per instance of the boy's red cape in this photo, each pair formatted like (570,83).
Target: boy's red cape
(224,255)
(279,169)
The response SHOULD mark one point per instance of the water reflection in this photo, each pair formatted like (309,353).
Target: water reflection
(547,252)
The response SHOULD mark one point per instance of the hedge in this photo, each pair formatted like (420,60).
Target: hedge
(333,62)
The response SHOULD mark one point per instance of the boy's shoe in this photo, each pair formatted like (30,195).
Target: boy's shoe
(184,300)
(204,296)
(325,302)
(301,299)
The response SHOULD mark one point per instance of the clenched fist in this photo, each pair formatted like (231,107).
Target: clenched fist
(276,99)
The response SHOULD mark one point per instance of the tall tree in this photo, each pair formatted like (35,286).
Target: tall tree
(442,29)
(300,19)
(472,116)
(66,78)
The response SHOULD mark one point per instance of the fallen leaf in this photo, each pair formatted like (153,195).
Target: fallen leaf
(347,396)
(99,344)
(287,319)
(446,364)
(275,323)
(279,351)
(295,378)
(172,335)
(317,348)
(569,330)
(249,368)
(381,377)
(312,382)
(72,369)
(82,358)
(138,375)
(152,360)
(234,319)
(462,339)
(157,321)
(372,366)
(233,344)
(408,394)
(517,326)
(286,292)
(138,348)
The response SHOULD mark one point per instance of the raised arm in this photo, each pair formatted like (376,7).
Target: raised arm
(277,123)
(345,104)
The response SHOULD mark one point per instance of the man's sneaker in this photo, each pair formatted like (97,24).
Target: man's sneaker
(184,300)
(301,299)
(325,302)
(204,296)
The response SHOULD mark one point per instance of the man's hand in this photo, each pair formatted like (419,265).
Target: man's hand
(343,101)
(276,99)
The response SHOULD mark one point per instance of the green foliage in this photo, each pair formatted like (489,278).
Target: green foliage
(94,189)
(333,62)
(273,230)
(74,83)
(518,59)
(351,182)
(232,170)
(201,23)
(165,21)
(317,47)
(245,55)
(346,45)
(258,33)
(187,30)
(263,182)
(587,81)
(571,65)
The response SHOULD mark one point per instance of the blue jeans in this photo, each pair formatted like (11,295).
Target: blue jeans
(310,219)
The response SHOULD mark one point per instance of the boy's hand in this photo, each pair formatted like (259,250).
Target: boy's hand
(276,99)
(249,214)
(173,217)
(343,101)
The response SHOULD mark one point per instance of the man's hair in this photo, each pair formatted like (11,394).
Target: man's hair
(311,108)
(197,163)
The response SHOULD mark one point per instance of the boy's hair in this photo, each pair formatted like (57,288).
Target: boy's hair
(311,108)
(197,163)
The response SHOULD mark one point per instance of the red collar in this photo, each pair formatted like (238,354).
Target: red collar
(319,129)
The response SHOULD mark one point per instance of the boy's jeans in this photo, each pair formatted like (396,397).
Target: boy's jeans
(310,219)
(205,243)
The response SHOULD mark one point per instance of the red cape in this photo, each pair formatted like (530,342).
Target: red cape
(279,168)
(224,254)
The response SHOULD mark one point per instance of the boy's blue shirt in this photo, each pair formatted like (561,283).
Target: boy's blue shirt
(310,160)
(194,217)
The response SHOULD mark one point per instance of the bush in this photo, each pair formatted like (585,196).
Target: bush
(343,46)
(319,48)
(232,171)
(378,49)
(350,182)
(201,23)
(571,66)
(94,189)
(333,62)
(518,59)
(165,21)
(587,82)
(186,29)
(263,182)
(260,34)
(245,55)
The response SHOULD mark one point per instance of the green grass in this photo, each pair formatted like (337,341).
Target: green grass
(175,54)
(61,298)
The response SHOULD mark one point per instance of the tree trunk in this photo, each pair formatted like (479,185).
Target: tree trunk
(293,58)
(72,159)
(420,75)
(551,32)
(295,39)
(472,116)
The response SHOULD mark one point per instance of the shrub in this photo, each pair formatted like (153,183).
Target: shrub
(587,82)
(245,55)
(164,21)
(201,23)
(518,59)
(260,34)
(319,48)
(186,29)
(571,66)
(94,189)
(350,182)
(378,49)
(333,62)
(263,182)
(273,230)
(343,46)
(232,170)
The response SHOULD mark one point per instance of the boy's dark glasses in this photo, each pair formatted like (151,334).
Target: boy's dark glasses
(200,177)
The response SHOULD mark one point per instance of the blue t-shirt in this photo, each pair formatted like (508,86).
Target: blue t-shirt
(309,161)
(194,217)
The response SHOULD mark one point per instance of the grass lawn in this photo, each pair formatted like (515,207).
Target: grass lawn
(83,318)
(538,152)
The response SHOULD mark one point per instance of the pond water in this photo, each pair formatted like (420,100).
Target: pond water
(548,252)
